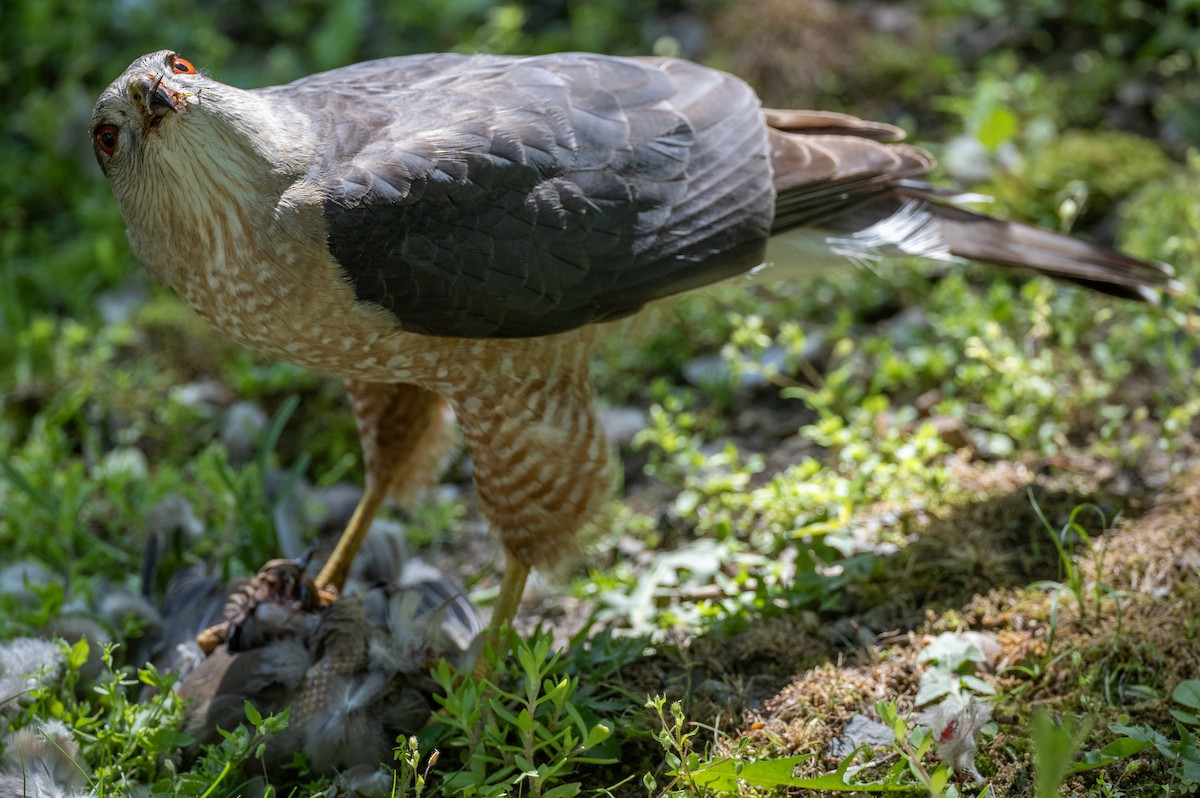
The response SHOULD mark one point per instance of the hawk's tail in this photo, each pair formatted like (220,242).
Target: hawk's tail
(854,182)
(912,222)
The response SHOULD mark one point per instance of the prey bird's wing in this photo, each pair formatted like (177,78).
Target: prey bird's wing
(504,197)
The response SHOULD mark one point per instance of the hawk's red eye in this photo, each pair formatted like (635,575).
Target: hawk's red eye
(182,66)
(106,139)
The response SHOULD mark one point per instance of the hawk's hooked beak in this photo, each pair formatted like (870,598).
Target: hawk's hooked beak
(154,99)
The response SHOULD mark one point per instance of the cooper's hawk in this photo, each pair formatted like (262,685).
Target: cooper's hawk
(452,230)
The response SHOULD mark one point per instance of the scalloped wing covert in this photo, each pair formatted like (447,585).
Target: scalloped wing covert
(506,197)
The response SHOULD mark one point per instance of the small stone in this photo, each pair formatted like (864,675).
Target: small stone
(860,730)
(621,424)
(927,401)
(203,394)
(245,423)
(174,513)
(953,432)
(120,303)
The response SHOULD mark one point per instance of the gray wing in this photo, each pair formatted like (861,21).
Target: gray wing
(488,196)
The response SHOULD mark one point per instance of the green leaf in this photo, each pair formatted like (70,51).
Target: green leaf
(1147,735)
(596,735)
(1140,733)
(1114,751)
(78,655)
(1054,751)
(505,714)
(252,714)
(1187,693)
(1189,758)
(1185,717)
(189,784)
(558,692)
(998,127)
(922,740)
(168,740)
(562,790)
(279,721)
(938,779)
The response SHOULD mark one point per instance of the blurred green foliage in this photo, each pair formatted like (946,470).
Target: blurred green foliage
(1130,63)
(1078,178)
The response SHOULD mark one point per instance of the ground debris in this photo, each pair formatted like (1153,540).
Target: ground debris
(1118,650)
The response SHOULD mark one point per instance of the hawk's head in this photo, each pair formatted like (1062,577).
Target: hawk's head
(191,161)
(137,111)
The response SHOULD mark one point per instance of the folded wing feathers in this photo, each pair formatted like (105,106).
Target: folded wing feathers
(830,122)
